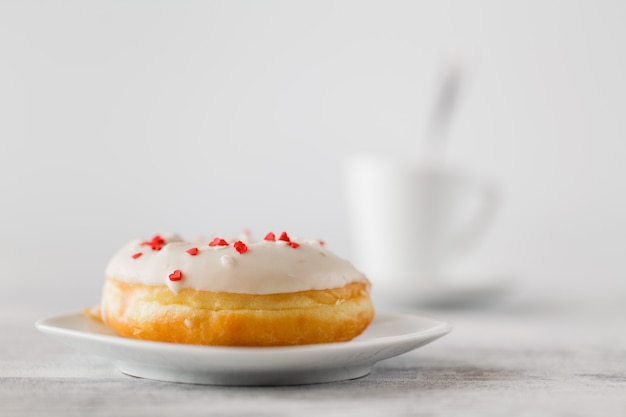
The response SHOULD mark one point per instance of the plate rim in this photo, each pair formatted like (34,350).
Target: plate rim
(441,328)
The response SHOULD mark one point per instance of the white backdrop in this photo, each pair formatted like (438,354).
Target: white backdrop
(121,119)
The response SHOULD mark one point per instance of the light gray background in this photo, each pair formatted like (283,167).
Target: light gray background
(121,119)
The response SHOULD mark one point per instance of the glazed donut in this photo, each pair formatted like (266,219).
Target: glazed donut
(273,292)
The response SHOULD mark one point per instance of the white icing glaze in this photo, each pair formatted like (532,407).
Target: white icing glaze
(266,268)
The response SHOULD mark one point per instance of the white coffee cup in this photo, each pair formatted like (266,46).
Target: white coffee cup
(410,220)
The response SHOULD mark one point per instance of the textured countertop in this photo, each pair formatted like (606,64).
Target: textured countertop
(515,361)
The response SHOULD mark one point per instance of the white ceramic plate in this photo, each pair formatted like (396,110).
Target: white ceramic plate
(389,335)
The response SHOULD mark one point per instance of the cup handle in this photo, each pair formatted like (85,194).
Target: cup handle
(477,225)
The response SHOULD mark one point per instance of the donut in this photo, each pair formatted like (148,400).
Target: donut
(277,291)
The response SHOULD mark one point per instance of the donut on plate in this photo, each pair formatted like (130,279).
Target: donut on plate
(274,292)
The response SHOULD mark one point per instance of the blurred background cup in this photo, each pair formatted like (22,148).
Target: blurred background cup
(411,222)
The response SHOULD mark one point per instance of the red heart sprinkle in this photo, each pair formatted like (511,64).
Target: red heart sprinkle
(136,255)
(192,251)
(156,243)
(218,242)
(176,275)
(284,237)
(270,236)
(293,244)
(240,247)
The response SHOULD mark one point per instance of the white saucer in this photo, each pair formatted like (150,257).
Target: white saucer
(448,291)
(389,335)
